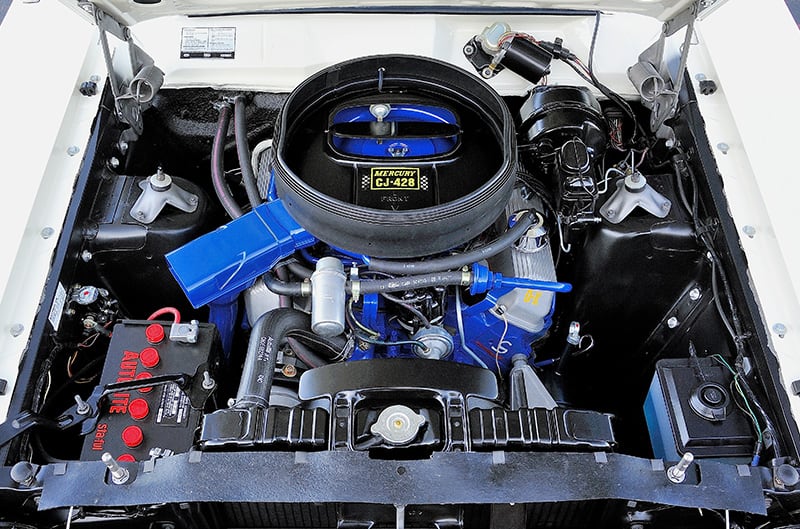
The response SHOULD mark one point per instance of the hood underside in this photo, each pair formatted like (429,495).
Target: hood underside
(129,12)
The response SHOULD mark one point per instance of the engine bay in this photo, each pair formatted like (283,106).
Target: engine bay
(393,266)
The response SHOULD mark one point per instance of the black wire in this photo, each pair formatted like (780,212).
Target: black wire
(76,376)
(315,340)
(579,71)
(610,94)
(538,189)
(410,308)
(305,354)
(41,380)
(373,341)
(681,190)
(733,325)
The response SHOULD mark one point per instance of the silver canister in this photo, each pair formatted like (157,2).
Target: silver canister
(328,297)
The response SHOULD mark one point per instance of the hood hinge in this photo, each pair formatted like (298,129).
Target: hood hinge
(651,77)
(134,77)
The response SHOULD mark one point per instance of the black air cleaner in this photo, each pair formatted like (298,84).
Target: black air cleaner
(395,156)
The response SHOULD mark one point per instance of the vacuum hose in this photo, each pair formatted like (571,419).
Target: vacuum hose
(217,169)
(452,262)
(243,150)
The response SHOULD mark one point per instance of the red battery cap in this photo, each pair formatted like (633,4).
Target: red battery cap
(126,458)
(154,333)
(149,357)
(138,408)
(132,436)
(142,376)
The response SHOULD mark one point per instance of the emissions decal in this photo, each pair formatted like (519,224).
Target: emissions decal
(208,43)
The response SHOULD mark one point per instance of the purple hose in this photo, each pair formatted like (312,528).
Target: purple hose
(217,169)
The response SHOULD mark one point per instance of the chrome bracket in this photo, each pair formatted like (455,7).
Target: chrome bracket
(651,77)
(633,191)
(158,191)
(134,78)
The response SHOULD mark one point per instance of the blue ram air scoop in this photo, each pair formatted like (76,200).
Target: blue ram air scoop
(230,258)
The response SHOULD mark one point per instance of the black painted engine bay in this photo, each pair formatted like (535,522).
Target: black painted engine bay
(395,298)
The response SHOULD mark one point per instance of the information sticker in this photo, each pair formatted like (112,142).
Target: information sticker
(208,43)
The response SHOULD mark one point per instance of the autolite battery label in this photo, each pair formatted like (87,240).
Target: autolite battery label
(127,371)
(173,409)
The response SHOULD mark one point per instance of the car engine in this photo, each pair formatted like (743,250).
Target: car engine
(389,267)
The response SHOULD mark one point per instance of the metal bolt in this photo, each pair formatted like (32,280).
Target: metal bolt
(123,147)
(47,232)
(665,206)
(24,473)
(779,329)
(95,78)
(192,199)
(113,162)
(672,322)
(86,256)
(486,73)
(83,406)
(289,371)
(138,215)
(677,473)
(208,382)
(694,294)
(723,147)
(469,49)
(119,475)
(17,329)
(73,150)
(231,402)
(611,212)
(750,231)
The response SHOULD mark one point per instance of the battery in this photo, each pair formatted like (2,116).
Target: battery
(132,423)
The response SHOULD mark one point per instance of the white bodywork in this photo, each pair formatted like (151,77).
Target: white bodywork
(131,13)
(752,113)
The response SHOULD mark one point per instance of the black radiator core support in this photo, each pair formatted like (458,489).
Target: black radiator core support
(342,402)
(317,477)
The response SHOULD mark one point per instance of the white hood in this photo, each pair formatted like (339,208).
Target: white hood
(129,12)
